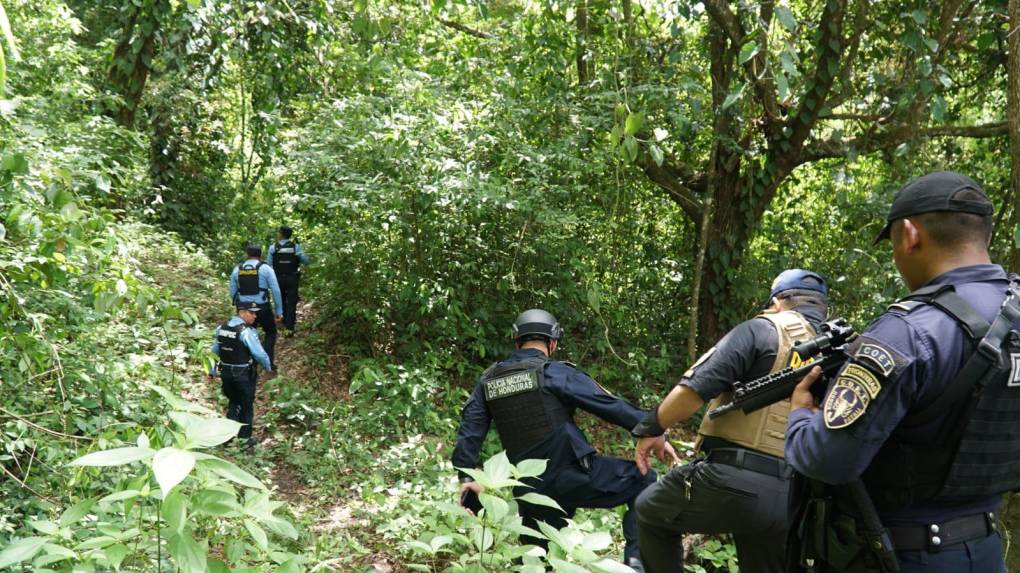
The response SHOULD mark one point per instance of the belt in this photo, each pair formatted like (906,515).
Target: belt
(937,536)
(750,460)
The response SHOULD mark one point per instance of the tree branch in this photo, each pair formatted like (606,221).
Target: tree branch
(679,183)
(462,28)
(829,149)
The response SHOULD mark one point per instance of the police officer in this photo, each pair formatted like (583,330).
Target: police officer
(907,416)
(238,349)
(286,257)
(532,400)
(742,484)
(252,281)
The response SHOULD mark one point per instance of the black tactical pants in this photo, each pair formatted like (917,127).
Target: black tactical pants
(239,388)
(267,322)
(607,483)
(289,292)
(704,497)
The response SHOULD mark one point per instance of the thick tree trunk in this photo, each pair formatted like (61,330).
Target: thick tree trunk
(581,55)
(1013,121)
(132,58)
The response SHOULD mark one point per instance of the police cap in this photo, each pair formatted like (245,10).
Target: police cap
(935,192)
(536,323)
(250,306)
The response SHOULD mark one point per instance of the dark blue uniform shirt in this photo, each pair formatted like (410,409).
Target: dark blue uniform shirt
(565,445)
(928,347)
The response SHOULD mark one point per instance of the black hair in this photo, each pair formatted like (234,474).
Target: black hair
(253,251)
(286,232)
(952,229)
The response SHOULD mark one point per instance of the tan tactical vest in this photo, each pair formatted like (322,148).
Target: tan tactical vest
(763,430)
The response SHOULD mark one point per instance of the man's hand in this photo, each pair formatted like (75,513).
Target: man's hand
(658,444)
(468,486)
(802,396)
(279,318)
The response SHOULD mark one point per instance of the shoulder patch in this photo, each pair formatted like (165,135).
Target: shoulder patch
(699,362)
(877,356)
(849,397)
(906,306)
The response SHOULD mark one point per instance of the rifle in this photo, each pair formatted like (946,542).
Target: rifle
(828,350)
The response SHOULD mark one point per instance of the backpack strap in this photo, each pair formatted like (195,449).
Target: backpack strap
(981,365)
(946,299)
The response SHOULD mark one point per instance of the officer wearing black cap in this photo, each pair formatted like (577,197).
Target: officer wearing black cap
(237,346)
(254,281)
(925,418)
(741,486)
(532,400)
(286,257)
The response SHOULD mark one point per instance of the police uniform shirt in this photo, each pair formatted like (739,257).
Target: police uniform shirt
(567,443)
(250,338)
(747,352)
(298,252)
(901,363)
(267,282)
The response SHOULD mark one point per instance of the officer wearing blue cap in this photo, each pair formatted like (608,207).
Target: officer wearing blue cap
(741,486)
(238,349)
(926,415)
(253,281)
(532,400)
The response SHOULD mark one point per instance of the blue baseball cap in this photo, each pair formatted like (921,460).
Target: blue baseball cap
(791,279)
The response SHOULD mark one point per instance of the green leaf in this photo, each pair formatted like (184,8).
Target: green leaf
(77,511)
(114,457)
(656,152)
(634,123)
(561,565)
(290,566)
(539,499)
(45,527)
(938,108)
(620,112)
(175,512)
(21,550)
(231,472)
(215,502)
(497,508)
(786,18)
(258,534)
(630,145)
(195,3)
(783,86)
(610,566)
(748,51)
(919,16)
(498,467)
(171,466)
(189,555)
(535,468)
(205,432)
(115,554)
(733,97)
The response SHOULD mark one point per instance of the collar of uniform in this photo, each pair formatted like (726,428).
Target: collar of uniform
(234,321)
(256,261)
(971,274)
(522,353)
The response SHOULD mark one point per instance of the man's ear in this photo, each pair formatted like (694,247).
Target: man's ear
(910,236)
(552,346)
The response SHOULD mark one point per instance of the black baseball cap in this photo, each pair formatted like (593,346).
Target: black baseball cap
(935,192)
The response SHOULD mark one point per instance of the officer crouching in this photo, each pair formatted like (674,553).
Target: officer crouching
(237,345)
(532,400)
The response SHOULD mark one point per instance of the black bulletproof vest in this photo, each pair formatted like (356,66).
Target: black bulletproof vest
(976,454)
(524,411)
(285,261)
(248,279)
(232,349)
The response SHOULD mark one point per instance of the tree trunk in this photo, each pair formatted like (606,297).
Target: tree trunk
(581,20)
(132,58)
(1013,121)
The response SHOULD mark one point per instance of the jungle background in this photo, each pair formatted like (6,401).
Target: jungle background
(641,168)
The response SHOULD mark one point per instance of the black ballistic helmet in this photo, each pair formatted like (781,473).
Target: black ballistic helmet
(536,323)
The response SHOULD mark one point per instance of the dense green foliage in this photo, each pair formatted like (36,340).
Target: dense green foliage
(637,168)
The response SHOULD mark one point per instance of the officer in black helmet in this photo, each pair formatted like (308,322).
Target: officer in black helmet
(532,400)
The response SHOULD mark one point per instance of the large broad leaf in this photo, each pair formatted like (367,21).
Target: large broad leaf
(258,534)
(560,565)
(495,507)
(539,499)
(178,403)
(610,566)
(175,512)
(76,512)
(634,123)
(189,555)
(205,432)
(531,468)
(171,466)
(786,18)
(114,457)
(748,51)
(231,472)
(21,550)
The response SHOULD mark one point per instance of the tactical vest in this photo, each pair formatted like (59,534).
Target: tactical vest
(232,348)
(763,430)
(248,279)
(976,452)
(524,411)
(285,261)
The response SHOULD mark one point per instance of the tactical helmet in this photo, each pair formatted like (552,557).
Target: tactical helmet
(536,323)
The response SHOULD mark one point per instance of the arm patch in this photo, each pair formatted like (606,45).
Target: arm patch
(879,358)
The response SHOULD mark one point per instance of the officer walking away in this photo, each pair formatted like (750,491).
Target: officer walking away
(286,257)
(742,484)
(922,422)
(252,281)
(532,400)
(238,349)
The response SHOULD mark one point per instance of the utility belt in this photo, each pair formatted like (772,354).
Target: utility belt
(935,537)
(236,368)
(750,460)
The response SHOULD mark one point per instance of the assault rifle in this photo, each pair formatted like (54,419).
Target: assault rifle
(827,350)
